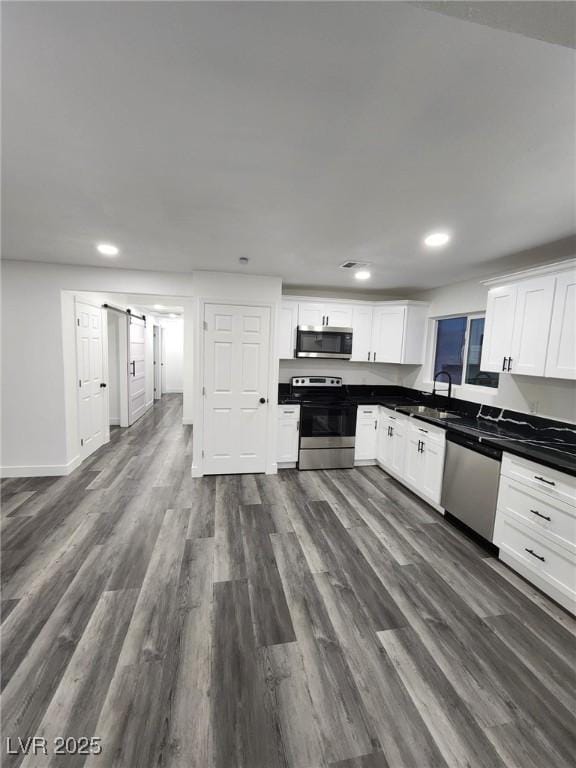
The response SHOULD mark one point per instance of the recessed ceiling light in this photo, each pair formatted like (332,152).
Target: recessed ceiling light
(158,306)
(107,249)
(437,239)
(362,274)
(173,315)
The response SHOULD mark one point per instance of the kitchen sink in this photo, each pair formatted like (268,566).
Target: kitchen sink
(433,413)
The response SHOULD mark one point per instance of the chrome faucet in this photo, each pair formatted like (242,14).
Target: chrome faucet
(443,373)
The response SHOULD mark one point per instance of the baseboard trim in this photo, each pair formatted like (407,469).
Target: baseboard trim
(114,422)
(41,470)
(410,487)
(172,392)
(365,463)
(187,421)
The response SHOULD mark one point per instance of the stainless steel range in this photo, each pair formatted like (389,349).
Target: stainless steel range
(327,423)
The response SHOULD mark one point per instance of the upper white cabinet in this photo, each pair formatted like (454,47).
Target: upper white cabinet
(530,327)
(398,333)
(325,313)
(498,328)
(561,360)
(287,322)
(383,332)
(362,332)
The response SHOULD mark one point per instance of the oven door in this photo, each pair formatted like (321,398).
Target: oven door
(327,426)
(324,341)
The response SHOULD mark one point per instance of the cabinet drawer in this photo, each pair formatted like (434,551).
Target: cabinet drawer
(547,515)
(289,412)
(393,415)
(367,412)
(550,565)
(534,475)
(428,432)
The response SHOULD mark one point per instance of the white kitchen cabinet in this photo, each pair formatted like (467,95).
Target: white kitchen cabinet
(320,313)
(535,526)
(391,441)
(398,333)
(287,323)
(362,333)
(532,316)
(561,358)
(530,327)
(311,313)
(424,460)
(366,433)
(288,430)
(498,328)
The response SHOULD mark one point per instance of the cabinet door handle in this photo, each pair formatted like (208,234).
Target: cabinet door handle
(297,426)
(543,480)
(368,356)
(391,431)
(422,430)
(374,358)
(538,557)
(509,364)
(375,423)
(544,517)
(504,363)
(133,364)
(288,411)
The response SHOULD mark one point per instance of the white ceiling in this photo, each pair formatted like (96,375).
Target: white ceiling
(298,134)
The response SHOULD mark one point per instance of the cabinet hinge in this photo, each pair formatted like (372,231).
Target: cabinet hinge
(78,321)
(81,441)
(205,324)
(204,391)
(79,382)
(202,454)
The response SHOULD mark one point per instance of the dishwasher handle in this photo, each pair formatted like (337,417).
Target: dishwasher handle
(473,444)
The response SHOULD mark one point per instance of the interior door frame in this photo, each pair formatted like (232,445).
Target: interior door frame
(271,466)
(105,373)
(158,362)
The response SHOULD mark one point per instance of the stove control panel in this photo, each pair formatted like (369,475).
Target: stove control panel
(316,381)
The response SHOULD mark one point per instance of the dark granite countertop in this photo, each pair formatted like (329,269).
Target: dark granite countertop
(548,442)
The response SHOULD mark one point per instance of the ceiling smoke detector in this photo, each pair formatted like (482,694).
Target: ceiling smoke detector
(355,265)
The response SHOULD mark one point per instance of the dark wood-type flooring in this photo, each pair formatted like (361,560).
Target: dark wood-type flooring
(303,620)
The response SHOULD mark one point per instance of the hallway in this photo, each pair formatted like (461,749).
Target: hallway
(305,620)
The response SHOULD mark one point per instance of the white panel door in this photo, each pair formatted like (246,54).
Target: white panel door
(561,360)
(362,333)
(236,367)
(388,334)
(338,315)
(287,329)
(136,369)
(498,328)
(532,318)
(311,313)
(92,404)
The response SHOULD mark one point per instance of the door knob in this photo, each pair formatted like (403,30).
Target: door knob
(102,385)
(262,400)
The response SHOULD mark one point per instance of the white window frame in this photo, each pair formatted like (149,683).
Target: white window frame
(478,388)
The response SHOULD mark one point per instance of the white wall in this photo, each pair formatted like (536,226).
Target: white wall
(352,373)
(173,353)
(39,427)
(554,398)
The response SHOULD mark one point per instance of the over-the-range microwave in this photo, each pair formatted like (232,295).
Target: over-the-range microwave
(324,341)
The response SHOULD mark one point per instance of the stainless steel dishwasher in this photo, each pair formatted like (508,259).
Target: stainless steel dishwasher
(470,485)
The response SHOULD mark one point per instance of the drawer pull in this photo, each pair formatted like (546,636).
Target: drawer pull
(543,480)
(531,552)
(422,430)
(544,517)
(287,411)
(367,411)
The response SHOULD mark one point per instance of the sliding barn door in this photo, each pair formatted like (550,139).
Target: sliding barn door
(92,411)
(236,366)
(136,369)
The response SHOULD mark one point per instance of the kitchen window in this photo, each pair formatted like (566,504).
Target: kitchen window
(458,351)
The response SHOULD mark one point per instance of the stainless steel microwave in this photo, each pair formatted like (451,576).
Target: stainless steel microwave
(324,341)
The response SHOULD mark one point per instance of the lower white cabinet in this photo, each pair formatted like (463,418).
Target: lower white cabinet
(366,433)
(424,459)
(288,431)
(535,526)
(392,441)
